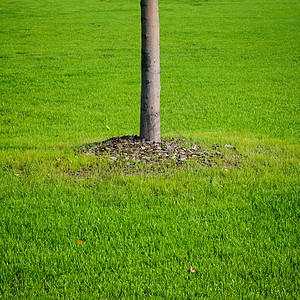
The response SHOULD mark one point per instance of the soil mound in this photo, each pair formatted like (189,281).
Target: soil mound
(132,148)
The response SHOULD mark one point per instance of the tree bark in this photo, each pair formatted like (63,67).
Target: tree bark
(150,93)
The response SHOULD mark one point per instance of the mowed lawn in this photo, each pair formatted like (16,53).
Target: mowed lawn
(75,226)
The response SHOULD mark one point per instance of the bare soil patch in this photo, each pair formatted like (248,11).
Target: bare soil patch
(130,150)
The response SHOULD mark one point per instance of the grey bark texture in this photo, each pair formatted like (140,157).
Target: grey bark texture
(150,93)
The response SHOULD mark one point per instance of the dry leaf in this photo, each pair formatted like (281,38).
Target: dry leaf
(192,270)
(193,198)
(59,159)
(221,186)
(17,175)
(107,127)
(80,242)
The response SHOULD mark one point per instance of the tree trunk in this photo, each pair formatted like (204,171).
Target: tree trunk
(150,94)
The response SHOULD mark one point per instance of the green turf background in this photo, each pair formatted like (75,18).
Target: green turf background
(72,67)
(229,75)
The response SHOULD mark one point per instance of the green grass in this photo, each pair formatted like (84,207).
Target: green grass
(230,75)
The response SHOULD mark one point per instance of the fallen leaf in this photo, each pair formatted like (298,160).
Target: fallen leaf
(225,170)
(80,242)
(192,270)
(17,175)
(221,186)
(175,202)
(239,208)
(59,159)
(90,113)
(193,198)
(107,127)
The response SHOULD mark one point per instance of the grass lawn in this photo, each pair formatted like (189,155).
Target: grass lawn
(75,226)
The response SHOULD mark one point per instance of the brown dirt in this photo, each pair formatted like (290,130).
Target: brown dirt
(131,148)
